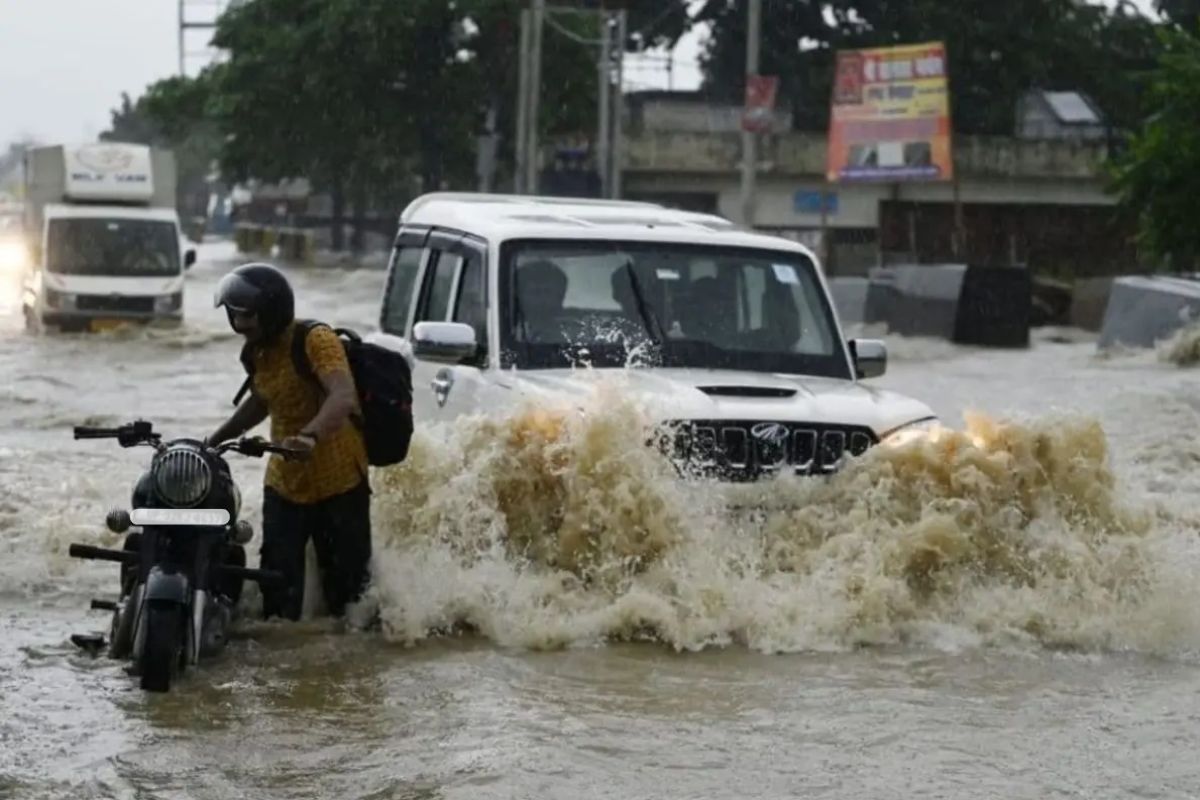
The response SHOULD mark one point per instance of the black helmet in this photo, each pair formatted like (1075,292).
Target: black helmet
(258,289)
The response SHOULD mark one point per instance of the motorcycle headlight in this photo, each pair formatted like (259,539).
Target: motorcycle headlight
(182,477)
(913,431)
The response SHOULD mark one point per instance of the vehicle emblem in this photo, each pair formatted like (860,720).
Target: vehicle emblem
(770,433)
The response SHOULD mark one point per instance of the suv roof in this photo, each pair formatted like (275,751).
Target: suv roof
(504,216)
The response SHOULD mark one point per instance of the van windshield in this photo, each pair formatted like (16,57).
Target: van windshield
(113,247)
(610,303)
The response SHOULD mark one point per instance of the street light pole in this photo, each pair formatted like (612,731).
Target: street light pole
(750,137)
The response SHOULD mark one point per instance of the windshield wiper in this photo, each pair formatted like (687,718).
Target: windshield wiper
(648,318)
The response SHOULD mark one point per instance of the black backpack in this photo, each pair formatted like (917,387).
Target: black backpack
(384,383)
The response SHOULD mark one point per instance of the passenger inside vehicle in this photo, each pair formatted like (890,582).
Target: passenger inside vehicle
(707,311)
(541,287)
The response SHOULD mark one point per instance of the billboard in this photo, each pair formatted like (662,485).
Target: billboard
(890,116)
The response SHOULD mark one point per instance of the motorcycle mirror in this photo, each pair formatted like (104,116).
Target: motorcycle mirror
(243,532)
(118,520)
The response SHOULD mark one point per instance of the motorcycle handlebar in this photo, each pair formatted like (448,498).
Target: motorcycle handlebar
(86,432)
(130,434)
(258,447)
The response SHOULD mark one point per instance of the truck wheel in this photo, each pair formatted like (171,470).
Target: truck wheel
(164,644)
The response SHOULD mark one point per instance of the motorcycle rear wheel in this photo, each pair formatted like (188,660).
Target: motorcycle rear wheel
(160,659)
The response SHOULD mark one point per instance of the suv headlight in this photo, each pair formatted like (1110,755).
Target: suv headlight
(913,431)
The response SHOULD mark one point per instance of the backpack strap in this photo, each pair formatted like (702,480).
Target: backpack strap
(300,352)
(248,363)
(304,367)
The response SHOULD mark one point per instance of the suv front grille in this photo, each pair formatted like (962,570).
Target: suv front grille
(743,450)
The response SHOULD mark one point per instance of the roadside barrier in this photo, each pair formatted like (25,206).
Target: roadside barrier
(850,298)
(1143,310)
(967,304)
(1089,299)
(297,245)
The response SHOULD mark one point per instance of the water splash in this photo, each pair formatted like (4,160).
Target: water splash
(558,527)
(1182,348)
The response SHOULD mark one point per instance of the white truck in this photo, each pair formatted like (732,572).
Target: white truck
(103,236)
(496,298)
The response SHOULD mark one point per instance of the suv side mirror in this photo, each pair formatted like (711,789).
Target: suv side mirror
(189,258)
(445,342)
(870,357)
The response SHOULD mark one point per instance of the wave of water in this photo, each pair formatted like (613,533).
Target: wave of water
(556,527)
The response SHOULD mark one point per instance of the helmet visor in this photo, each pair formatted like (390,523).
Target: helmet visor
(236,293)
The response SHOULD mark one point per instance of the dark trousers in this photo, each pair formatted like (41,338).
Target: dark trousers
(340,528)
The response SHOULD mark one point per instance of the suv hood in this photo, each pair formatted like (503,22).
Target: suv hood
(670,393)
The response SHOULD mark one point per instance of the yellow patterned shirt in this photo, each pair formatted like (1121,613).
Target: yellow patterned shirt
(339,461)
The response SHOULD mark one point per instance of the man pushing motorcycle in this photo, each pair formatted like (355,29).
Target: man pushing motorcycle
(325,494)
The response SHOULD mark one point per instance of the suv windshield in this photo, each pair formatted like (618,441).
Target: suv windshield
(676,305)
(112,246)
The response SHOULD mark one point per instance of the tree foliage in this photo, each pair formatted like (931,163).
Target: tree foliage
(1158,177)
(172,114)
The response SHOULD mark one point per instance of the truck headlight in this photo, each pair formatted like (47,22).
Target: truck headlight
(13,256)
(63,301)
(165,303)
(913,431)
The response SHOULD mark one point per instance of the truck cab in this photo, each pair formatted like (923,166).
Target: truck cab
(103,236)
(729,334)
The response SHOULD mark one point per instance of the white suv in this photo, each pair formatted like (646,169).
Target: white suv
(500,298)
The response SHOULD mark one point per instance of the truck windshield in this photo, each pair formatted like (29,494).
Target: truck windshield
(112,246)
(612,303)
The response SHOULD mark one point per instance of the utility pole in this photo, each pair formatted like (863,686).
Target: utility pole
(538,18)
(522,143)
(188,20)
(618,128)
(749,137)
(604,90)
(181,30)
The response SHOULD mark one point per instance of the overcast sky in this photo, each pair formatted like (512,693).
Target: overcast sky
(64,63)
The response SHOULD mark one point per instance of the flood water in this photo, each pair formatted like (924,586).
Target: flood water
(1010,612)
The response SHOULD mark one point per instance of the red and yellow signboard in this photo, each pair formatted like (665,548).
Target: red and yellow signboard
(890,116)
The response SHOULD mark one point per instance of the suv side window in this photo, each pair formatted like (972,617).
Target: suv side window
(438,288)
(403,281)
(471,308)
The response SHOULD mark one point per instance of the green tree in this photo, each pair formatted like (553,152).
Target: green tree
(1158,177)
(172,114)
(377,99)
(1184,13)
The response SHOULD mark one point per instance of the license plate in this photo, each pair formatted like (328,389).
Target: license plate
(98,325)
(204,517)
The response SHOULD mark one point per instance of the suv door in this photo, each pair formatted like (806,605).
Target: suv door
(453,289)
(409,257)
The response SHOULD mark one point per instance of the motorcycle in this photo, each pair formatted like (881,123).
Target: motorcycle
(182,571)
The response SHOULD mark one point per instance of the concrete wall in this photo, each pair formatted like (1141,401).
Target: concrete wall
(1056,186)
(991,170)
(800,153)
